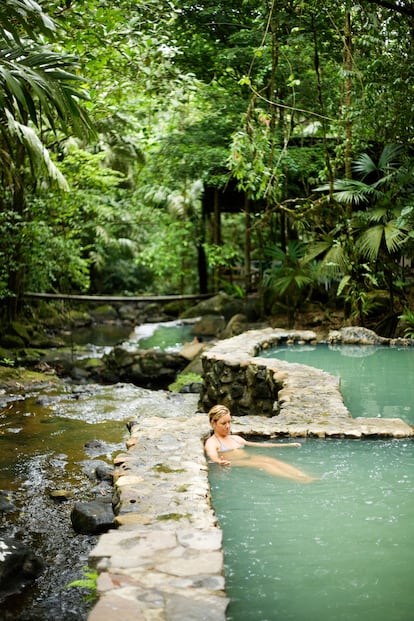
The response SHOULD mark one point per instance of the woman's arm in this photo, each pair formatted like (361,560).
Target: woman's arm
(272,444)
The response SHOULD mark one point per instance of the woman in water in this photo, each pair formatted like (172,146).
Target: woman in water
(222,442)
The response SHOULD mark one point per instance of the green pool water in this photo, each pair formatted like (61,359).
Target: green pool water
(340,548)
(375,381)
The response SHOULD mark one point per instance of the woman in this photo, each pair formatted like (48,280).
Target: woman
(222,442)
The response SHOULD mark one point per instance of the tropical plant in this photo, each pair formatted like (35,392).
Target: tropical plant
(40,94)
(289,279)
(408,318)
(88,582)
(364,250)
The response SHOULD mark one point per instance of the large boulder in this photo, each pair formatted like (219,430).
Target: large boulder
(356,335)
(209,326)
(220,304)
(148,368)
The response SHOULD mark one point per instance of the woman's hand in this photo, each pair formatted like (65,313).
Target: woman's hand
(223,462)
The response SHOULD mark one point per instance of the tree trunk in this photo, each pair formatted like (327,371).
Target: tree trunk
(216,235)
(348,66)
(247,246)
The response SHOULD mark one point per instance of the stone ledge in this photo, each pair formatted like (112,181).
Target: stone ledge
(165,560)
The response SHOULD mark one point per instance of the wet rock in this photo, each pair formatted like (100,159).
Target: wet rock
(220,304)
(357,335)
(148,368)
(209,325)
(94,517)
(105,312)
(193,387)
(104,472)
(128,312)
(78,374)
(236,325)
(94,446)
(18,566)
(91,466)
(6,505)
(60,494)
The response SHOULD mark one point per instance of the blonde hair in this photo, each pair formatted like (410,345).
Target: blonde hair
(216,412)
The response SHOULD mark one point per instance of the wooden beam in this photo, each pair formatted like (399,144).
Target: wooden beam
(115,298)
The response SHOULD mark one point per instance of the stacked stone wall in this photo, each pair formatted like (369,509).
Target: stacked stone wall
(235,377)
(243,388)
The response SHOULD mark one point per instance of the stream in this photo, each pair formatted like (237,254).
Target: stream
(52,439)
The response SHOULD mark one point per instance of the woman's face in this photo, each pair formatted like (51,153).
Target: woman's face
(222,425)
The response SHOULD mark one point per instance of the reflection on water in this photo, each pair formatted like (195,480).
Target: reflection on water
(338,549)
(42,451)
(104,335)
(375,381)
(43,438)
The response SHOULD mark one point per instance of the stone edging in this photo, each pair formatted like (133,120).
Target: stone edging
(165,560)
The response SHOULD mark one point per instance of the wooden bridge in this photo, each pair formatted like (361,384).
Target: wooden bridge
(110,299)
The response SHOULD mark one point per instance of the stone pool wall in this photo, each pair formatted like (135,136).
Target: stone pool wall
(164,561)
(235,377)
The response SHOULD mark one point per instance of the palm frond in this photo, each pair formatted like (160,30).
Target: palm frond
(369,242)
(390,158)
(335,261)
(364,166)
(351,191)
(316,249)
(394,236)
(24,17)
(36,81)
(37,152)
(344,282)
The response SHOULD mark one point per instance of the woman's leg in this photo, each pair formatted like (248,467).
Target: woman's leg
(275,467)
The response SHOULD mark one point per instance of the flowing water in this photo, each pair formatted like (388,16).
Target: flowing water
(43,448)
(51,439)
(168,336)
(45,444)
(340,548)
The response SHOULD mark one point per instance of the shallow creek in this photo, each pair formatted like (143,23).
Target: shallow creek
(43,447)
(51,439)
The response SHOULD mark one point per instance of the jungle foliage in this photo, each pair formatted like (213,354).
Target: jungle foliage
(117,116)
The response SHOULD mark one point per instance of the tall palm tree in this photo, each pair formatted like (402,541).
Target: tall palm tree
(39,89)
(41,93)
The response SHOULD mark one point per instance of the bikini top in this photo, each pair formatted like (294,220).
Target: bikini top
(224,449)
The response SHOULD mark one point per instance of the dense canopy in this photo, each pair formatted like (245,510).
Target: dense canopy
(172,147)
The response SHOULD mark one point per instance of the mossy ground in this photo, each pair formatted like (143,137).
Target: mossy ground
(18,378)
